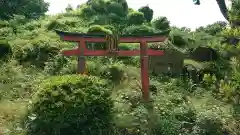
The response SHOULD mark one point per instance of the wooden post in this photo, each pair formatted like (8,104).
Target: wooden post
(144,70)
(81,58)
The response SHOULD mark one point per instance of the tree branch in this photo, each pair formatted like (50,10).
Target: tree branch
(223,8)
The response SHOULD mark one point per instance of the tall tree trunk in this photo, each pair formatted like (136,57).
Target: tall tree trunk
(223,8)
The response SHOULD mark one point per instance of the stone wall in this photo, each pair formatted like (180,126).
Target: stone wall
(170,62)
(204,54)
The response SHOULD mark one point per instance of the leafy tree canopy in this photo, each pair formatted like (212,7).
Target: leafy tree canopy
(147,11)
(28,8)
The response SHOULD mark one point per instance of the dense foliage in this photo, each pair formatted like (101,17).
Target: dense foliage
(40,95)
(71,105)
(148,13)
(9,8)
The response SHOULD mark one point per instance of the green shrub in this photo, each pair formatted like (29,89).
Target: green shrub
(32,25)
(135,122)
(69,68)
(139,29)
(3,24)
(161,23)
(98,6)
(16,82)
(56,24)
(147,11)
(69,8)
(17,20)
(39,54)
(185,113)
(70,104)
(209,81)
(178,39)
(116,8)
(98,29)
(72,22)
(130,10)
(5,49)
(167,126)
(9,71)
(100,20)
(6,32)
(87,11)
(208,124)
(135,18)
(109,27)
(93,67)
(113,71)
(115,19)
(56,64)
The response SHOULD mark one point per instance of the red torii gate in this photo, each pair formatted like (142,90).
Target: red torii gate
(82,51)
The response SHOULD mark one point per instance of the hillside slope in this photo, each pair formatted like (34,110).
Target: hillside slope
(33,59)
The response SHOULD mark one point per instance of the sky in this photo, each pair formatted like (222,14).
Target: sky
(181,13)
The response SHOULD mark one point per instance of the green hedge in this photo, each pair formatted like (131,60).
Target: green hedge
(70,104)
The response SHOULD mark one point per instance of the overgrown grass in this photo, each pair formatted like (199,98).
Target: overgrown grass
(130,113)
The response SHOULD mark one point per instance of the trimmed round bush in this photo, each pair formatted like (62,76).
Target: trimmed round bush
(97,29)
(70,104)
(147,11)
(115,73)
(140,29)
(116,8)
(161,23)
(178,38)
(135,18)
(98,6)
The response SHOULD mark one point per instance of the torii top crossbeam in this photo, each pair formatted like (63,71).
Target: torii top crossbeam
(144,52)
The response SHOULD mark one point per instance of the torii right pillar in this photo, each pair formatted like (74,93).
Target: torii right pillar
(144,70)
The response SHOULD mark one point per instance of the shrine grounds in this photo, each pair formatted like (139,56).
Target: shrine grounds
(41,94)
